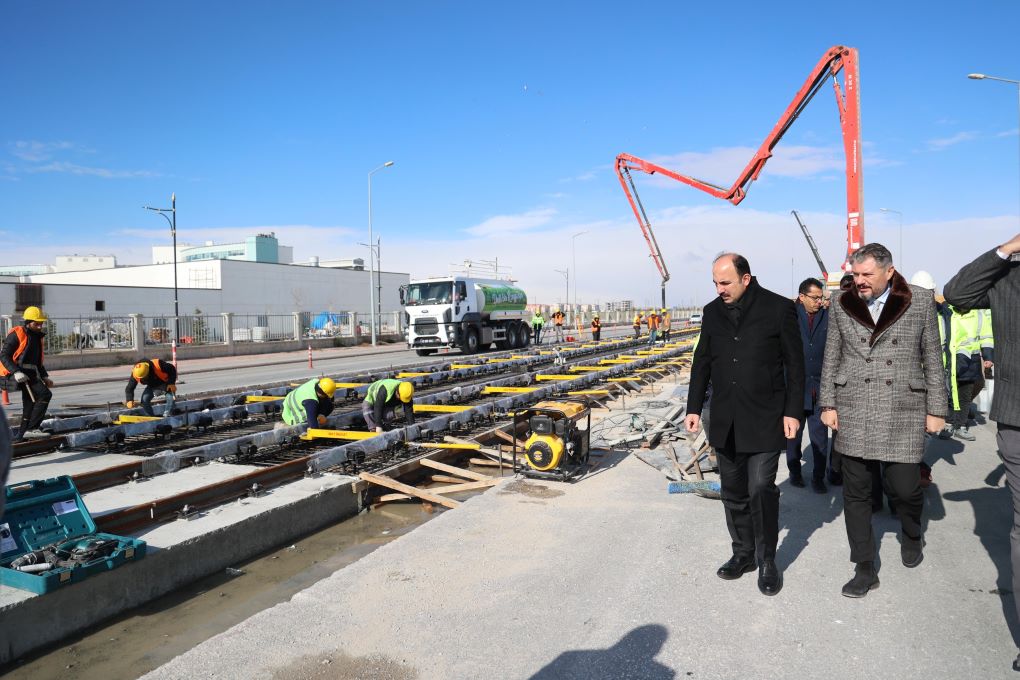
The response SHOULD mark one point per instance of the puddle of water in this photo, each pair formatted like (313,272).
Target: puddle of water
(145,638)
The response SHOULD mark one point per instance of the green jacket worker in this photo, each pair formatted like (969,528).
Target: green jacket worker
(157,376)
(381,402)
(310,403)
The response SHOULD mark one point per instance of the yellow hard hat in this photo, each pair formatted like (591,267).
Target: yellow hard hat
(34,314)
(663,310)
(328,386)
(405,391)
(140,370)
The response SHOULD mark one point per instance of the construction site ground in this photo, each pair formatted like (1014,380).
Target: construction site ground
(613,577)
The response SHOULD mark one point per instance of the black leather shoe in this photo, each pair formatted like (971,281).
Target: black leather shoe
(865,579)
(1016,663)
(818,486)
(912,555)
(797,481)
(770,580)
(735,568)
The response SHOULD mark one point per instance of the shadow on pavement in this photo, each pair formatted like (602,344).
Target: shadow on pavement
(801,513)
(632,657)
(993,510)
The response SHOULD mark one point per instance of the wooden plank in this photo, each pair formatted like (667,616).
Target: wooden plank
(408,489)
(447,479)
(485,462)
(442,490)
(467,474)
(506,436)
(482,449)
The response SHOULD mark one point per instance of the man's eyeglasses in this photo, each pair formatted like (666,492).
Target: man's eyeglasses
(816,298)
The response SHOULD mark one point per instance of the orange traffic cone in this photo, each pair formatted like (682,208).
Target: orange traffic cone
(7,398)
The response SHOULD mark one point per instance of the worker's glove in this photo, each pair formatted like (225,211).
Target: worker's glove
(172,389)
(129,404)
(49,383)
(20,377)
(321,420)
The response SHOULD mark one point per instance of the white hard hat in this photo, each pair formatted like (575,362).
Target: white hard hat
(923,279)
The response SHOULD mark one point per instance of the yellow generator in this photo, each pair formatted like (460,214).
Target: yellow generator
(556,446)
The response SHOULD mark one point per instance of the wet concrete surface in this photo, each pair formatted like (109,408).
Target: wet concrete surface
(149,636)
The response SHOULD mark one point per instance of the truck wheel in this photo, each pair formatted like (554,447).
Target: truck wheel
(513,337)
(525,336)
(424,352)
(470,343)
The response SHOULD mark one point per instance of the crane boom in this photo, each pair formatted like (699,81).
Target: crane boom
(836,59)
(646,229)
(814,248)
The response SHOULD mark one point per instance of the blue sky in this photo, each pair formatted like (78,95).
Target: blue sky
(503,123)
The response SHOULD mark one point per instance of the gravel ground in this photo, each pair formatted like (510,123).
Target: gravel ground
(612,577)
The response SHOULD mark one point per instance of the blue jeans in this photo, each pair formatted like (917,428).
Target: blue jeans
(147,396)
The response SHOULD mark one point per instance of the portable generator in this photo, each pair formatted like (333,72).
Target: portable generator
(556,446)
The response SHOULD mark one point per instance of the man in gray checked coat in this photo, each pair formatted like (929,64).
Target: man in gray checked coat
(992,281)
(882,388)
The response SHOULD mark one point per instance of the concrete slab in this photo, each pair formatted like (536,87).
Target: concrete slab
(613,577)
(179,552)
(64,463)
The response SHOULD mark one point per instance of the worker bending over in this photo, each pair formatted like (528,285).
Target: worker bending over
(381,402)
(21,358)
(158,377)
(310,403)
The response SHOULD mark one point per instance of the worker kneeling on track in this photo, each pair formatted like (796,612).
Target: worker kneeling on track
(21,358)
(158,377)
(381,402)
(310,403)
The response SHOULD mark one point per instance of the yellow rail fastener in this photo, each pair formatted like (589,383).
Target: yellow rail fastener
(592,392)
(465,365)
(508,390)
(126,419)
(555,377)
(255,400)
(586,368)
(316,433)
(412,374)
(350,386)
(439,408)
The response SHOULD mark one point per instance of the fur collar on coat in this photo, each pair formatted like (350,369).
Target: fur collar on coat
(896,305)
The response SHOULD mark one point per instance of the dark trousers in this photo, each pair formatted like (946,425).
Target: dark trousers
(902,482)
(538,334)
(819,436)
(596,334)
(965,392)
(637,331)
(34,404)
(751,500)
(1008,439)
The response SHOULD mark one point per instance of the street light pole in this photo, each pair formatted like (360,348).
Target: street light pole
(173,233)
(982,76)
(566,275)
(900,255)
(371,253)
(573,252)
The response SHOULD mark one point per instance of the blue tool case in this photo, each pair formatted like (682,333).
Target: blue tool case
(47,531)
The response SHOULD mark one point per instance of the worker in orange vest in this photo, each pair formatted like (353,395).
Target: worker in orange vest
(157,376)
(665,324)
(637,325)
(653,326)
(557,318)
(22,359)
(596,328)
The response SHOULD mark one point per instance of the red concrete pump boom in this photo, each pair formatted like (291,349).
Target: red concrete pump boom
(837,59)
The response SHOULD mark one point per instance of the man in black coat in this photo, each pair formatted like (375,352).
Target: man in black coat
(750,350)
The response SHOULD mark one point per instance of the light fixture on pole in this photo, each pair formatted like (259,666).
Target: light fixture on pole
(902,259)
(173,234)
(566,275)
(982,76)
(573,252)
(371,254)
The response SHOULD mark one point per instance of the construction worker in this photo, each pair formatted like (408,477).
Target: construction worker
(969,350)
(310,403)
(664,324)
(653,326)
(557,318)
(596,327)
(158,377)
(537,321)
(383,398)
(22,360)
(638,319)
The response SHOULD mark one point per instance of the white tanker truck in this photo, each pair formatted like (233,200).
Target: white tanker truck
(464,312)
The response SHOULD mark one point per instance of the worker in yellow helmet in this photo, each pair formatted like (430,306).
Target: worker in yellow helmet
(21,359)
(665,323)
(381,402)
(157,376)
(310,403)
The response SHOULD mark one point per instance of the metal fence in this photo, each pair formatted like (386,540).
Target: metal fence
(263,327)
(88,333)
(192,330)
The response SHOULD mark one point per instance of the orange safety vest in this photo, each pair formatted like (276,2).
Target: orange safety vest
(596,324)
(22,346)
(160,371)
(653,322)
(558,318)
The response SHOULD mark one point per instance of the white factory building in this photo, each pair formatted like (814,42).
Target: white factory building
(209,278)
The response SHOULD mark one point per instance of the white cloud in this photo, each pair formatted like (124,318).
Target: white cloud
(35,151)
(501,224)
(105,173)
(1009,133)
(945,142)
(722,165)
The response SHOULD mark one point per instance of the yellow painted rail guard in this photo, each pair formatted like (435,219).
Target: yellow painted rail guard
(316,433)
(125,419)
(256,400)
(439,408)
(508,390)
